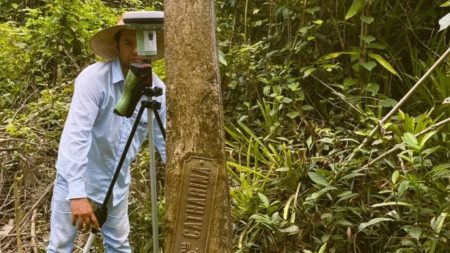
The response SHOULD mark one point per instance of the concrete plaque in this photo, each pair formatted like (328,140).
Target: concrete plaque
(193,219)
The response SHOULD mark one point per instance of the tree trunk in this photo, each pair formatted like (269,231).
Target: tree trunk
(198,211)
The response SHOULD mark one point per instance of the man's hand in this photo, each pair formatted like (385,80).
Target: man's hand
(82,214)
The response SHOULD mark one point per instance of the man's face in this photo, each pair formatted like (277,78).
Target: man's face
(127,48)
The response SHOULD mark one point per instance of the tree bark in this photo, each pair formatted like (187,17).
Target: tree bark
(197,196)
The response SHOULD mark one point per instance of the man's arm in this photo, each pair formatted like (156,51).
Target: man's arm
(75,144)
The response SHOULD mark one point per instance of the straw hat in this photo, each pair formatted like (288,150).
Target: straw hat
(104,45)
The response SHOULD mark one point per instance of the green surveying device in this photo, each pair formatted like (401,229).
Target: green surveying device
(138,82)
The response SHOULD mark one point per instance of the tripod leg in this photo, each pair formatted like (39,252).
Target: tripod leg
(160,124)
(102,211)
(154,196)
(124,155)
(89,243)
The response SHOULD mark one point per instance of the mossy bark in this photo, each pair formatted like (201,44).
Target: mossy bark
(194,125)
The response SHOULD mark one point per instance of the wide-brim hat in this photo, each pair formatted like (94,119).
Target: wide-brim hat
(104,45)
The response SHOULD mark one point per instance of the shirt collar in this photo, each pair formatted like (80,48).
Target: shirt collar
(117,75)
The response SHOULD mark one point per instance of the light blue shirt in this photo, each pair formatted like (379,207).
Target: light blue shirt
(94,137)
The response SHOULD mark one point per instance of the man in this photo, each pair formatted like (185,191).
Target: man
(93,140)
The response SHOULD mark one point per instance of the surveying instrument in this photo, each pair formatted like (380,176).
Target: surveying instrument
(148,26)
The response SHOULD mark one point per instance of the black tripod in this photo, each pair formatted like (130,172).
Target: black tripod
(144,87)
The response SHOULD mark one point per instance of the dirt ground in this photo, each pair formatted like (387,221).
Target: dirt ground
(26,182)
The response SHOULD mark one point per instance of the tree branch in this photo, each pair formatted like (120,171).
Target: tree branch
(400,103)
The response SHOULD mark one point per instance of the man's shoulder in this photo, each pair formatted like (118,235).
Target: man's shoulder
(98,69)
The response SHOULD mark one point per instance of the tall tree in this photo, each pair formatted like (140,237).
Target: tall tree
(197,216)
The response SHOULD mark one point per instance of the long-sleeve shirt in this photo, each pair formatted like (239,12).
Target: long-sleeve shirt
(94,137)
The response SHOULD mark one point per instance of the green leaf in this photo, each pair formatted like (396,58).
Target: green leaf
(348,82)
(262,80)
(404,185)
(392,203)
(345,193)
(323,248)
(277,89)
(262,219)
(326,216)
(436,224)
(318,179)
(263,199)
(344,222)
(326,140)
(368,65)
(395,176)
(312,10)
(356,6)
(414,232)
(367,19)
(307,108)
(387,102)
(425,138)
(257,23)
(373,88)
(11,129)
(294,86)
(376,46)
(393,214)
(266,90)
(337,54)
(446,101)
(286,207)
(352,175)
(384,63)
(293,115)
(441,171)
(346,196)
(410,140)
(318,21)
(333,55)
(315,195)
(292,229)
(222,59)
(286,100)
(362,226)
(367,38)
(444,22)
(308,72)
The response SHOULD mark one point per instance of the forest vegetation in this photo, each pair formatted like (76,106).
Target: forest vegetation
(304,83)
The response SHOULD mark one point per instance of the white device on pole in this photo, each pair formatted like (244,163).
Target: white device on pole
(149,28)
(147,24)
